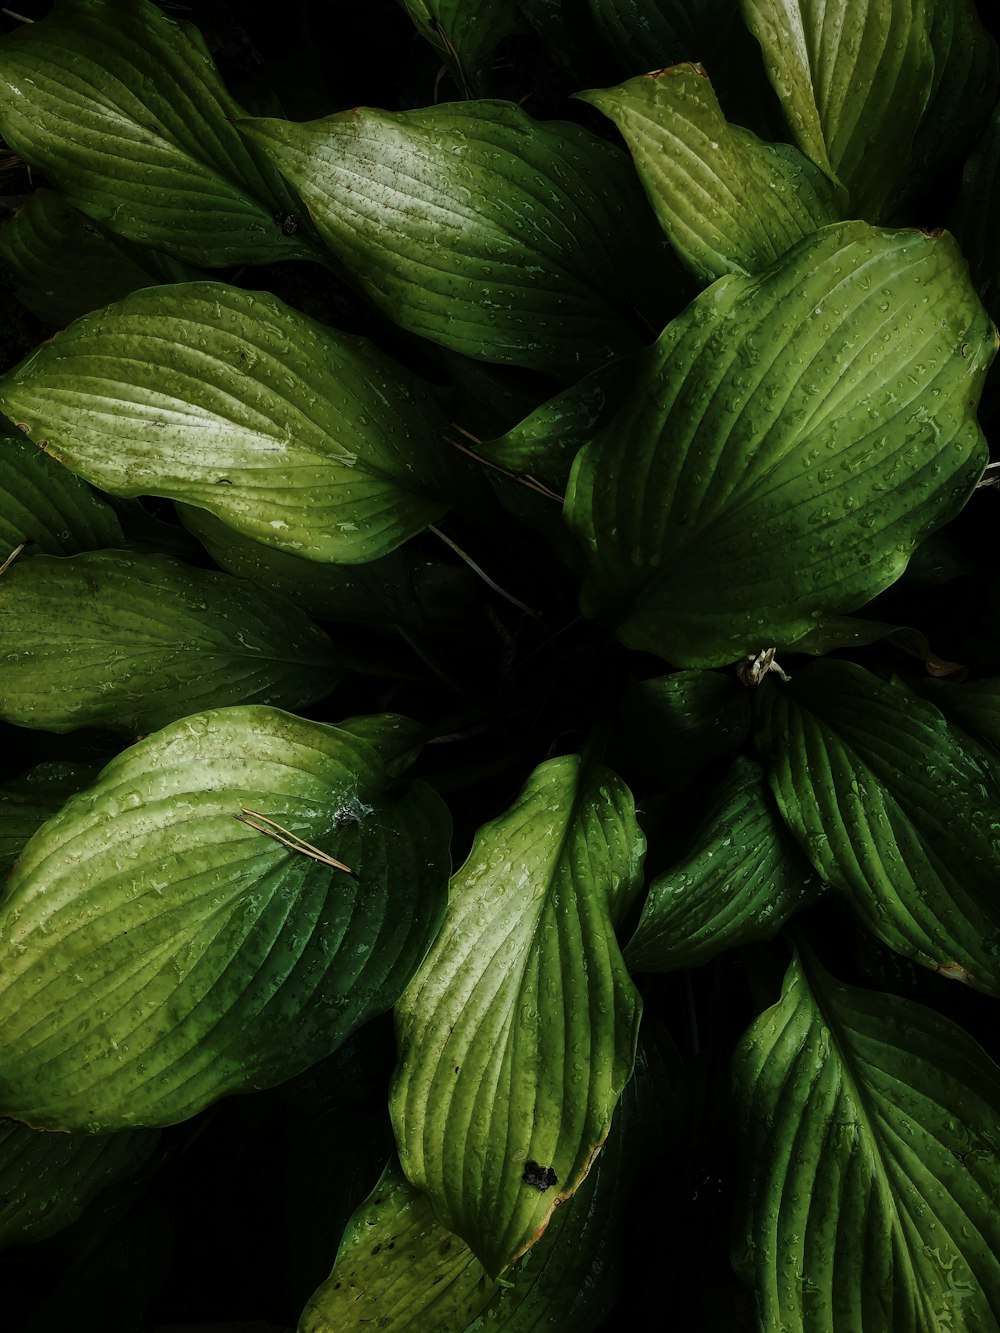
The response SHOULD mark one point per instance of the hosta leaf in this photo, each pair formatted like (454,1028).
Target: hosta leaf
(45,507)
(859,82)
(648,34)
(378,592)
(974,705)
(46,1180)
(160,952)
(678,724)
(297,436)
(64,265)
(475,226)
(123,110)
(729,202)
(27,802)
(400,1268)
(466,33)
(754,480)
(518,1032)
(977,215)
(740,882)
(895,808)
(870,1164)
(150,639)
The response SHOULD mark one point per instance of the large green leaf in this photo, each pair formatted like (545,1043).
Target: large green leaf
(729,202)
(518,1032)
(305,439)
(150,639)
(869,87)
(161,952)
(974,705)
(46,508)
(123,110)
(46,1180)
(789,440)
(466,33)
(28,801)
(399,1268)
(740,882)
(648,34)
(498,236)
(64,265)
(870,1168)
(895,808)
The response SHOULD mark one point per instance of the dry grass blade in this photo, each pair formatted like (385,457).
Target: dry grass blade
(290,840)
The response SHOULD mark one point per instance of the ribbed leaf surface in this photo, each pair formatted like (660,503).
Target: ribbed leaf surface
(753,480)
(297,436)
(150,640)
(729,202)
(740,882)
(481,229)
(28,801)
(160,952)
(870,1164)
(518,1032)
(123,110)
(896,808)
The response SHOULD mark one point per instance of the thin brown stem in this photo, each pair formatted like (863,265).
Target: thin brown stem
(271,829)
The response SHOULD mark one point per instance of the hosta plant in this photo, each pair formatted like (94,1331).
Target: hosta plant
(500,668)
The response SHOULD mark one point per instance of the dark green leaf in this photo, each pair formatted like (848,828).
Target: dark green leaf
(676,725)
(649,34)
(27,802)
(466,33)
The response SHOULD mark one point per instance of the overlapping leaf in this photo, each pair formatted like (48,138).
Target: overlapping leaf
(678,724)
(974,706)
(498,236)
(297,436)
(729,202)
(46,1180)
(161,952)
(122,108)
(895,808)
(27,802)
(977,215)
(869,1162)
(754,481)
(518,1032)
(648,34)
(869,87)
(467,36)
(45,508)
(64,265)
(149,639)
(741,881)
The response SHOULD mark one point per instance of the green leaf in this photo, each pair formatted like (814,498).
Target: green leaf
(676,725)
(870,1171)
(299,437)
(46,508)
(64,265)
(46,1180)
(398,1267)
(972,705)
(754,481)
(123,110)
(466,33)
(977,215)
(869,87)
(739,883)
(150,640)
(895,808)
(471,224)
(729,202)
(379,592)
(27,802)
(161,952)
(648,34)
(518,1032)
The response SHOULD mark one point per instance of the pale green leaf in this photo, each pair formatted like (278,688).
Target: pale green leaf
(150,639)
(481,229)
(870,1168)
(729,202)
(739,883)
(295,435)
(895,808)
(161,952)
(754,481)
(46,508)
(123,110)
(518,1032)
(46,1180)
(64,264)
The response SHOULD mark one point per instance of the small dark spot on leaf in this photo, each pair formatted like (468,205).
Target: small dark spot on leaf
(377,1249)
(223,481)
(445,1246)
(539,1177)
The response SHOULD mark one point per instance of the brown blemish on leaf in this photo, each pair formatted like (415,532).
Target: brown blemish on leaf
(955,972)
